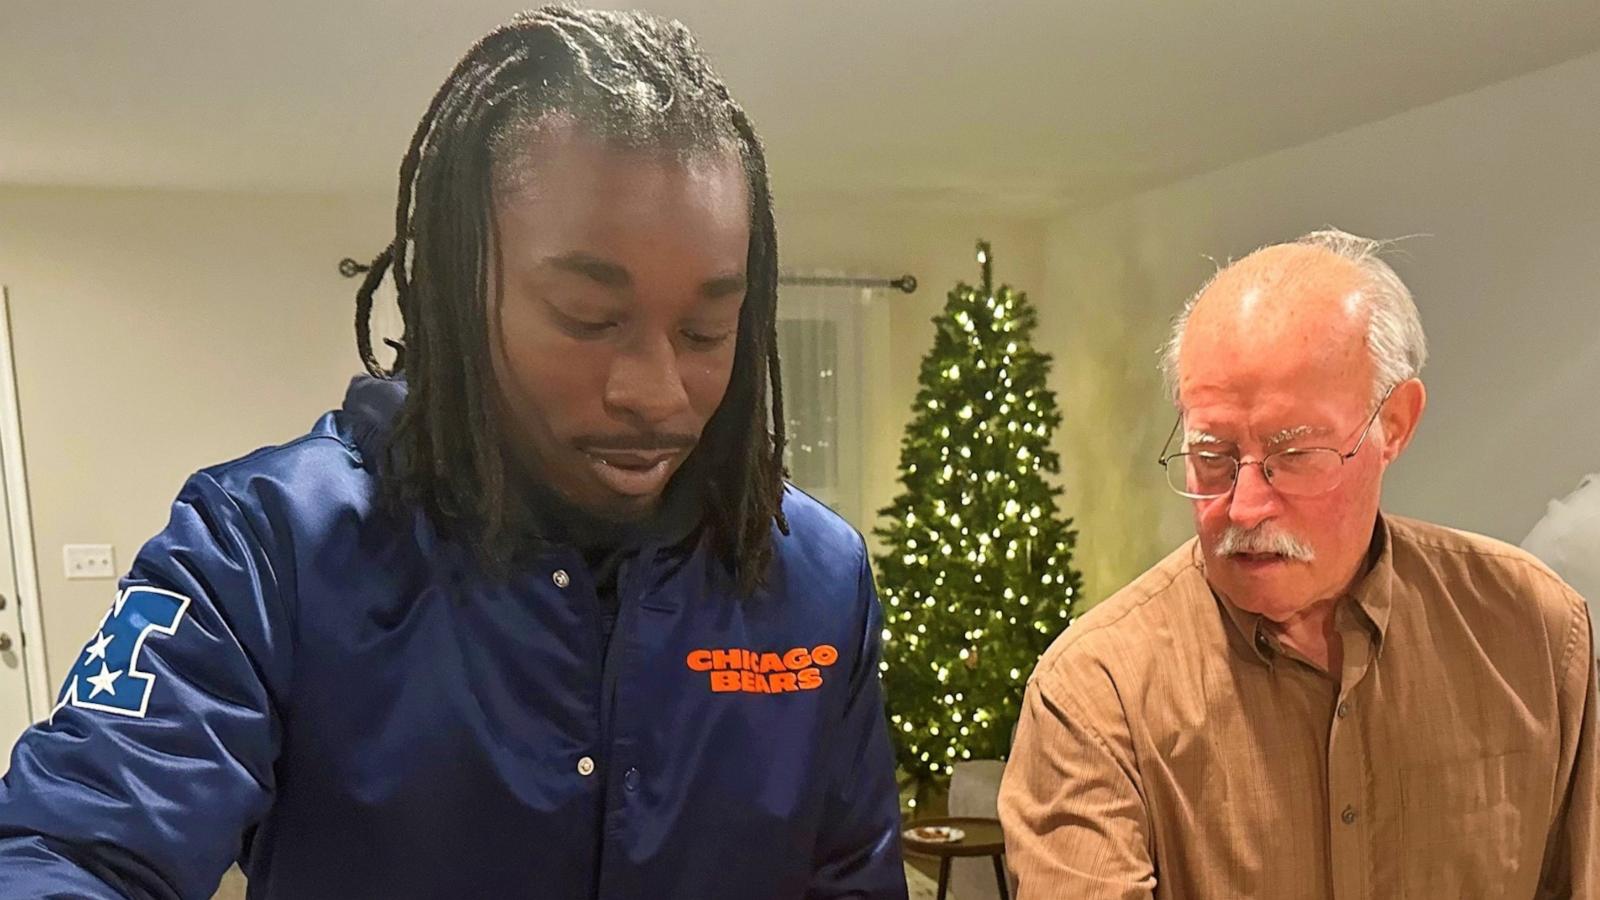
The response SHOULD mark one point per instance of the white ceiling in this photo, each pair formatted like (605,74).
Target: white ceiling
(1020,106)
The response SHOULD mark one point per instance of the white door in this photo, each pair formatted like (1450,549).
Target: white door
(15,712)
(23,691)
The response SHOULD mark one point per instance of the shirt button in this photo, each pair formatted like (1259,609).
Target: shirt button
(1349,815)
(630,779)
(1344,709)
(586,767)
(561,578)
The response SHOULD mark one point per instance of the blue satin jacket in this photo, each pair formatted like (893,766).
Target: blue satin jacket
(340,700)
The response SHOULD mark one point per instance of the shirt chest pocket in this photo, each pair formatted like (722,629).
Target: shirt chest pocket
(1464,829)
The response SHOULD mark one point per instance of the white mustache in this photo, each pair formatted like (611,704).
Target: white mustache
(1236,541)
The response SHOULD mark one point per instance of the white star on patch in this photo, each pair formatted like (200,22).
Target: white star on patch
(105,681)
(97,650)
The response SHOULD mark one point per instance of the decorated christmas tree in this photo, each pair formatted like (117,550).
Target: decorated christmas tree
(976,575)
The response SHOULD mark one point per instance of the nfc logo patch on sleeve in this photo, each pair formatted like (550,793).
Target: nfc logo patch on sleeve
(107,676)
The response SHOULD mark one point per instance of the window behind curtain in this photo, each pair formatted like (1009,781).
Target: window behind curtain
(819,342)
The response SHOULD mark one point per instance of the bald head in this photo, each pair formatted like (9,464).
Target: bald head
(1289,309)
(1325,301)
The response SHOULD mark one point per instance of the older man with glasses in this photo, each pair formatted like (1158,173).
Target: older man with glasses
(1311,699)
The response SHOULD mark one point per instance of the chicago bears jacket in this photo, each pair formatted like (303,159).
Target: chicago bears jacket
(338,697)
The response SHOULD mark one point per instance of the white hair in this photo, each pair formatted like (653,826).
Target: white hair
(1394,329)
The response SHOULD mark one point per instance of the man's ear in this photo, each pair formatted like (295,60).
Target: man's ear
(1400,417)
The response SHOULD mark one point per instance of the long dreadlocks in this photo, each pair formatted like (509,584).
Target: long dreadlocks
(629,78)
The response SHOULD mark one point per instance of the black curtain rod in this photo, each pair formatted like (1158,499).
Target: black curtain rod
(349,268)
(905,283)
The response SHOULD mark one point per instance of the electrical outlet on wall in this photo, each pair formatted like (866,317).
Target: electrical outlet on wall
(90,561)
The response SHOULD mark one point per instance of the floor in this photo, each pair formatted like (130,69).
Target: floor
(922,887)
(232,887)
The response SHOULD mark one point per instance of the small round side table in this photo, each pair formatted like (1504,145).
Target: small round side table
(983,838)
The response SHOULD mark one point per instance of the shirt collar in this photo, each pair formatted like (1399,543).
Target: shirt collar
(1374,593)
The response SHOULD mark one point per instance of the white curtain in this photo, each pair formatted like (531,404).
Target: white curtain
(819,344)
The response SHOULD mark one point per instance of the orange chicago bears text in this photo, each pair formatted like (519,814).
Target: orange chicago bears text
(751,672)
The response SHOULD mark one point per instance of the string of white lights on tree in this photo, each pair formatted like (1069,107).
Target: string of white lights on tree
(976,575)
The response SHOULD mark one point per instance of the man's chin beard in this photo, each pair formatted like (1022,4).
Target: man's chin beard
(630,512)
(618,510)
(600,508)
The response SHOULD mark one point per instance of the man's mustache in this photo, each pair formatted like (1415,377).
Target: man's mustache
(1236,541)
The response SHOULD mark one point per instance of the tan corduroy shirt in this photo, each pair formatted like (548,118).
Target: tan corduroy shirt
(1169,748)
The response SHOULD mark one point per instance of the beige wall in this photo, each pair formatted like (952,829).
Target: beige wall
(1503,183)
(156,333)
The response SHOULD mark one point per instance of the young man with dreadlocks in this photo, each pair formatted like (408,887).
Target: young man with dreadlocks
(532,615)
